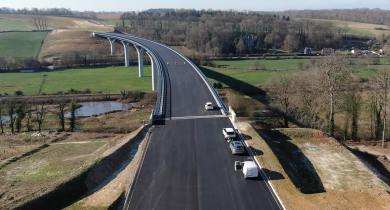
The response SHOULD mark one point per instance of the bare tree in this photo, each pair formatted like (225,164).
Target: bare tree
(308,99)
(20,115)
(280,93)
(2,114)
(382,85)
(73,118)
(11,108)
(29,114)
(351,104)
(40,114)
(61,104)
(291,43)
(240,47)
(334,72)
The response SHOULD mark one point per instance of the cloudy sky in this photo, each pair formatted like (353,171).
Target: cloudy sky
(254,5)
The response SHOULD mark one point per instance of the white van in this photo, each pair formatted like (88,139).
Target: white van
(248,168)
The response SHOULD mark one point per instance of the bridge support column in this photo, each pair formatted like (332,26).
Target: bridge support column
(154,73)
(127,53)
(112,42)
(140,51)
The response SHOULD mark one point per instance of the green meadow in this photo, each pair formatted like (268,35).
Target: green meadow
(239,78)
(106,79)
(20,44)
(112,80)
(11,25)
(285,64)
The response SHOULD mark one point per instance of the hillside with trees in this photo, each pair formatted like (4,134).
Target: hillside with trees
(222,32)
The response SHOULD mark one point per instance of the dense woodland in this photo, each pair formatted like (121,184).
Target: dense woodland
(222,32)
(374,16)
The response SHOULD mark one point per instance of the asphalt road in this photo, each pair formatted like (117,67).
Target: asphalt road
(187,164)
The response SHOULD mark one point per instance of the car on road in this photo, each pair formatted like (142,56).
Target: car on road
(228,133)
(248,168)
(209,106)
(236,147)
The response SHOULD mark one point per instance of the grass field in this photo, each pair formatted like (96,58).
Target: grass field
(20,44)
(12,25)
(285,64)
(361,29)
(43,170)
(111,80)
(239,78)
(105,79)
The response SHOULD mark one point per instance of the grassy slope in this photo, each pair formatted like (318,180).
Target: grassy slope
(12,25)
(20,44)
(48,168)
(105,79)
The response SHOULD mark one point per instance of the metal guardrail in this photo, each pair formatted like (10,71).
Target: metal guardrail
(205,79)
(123,37)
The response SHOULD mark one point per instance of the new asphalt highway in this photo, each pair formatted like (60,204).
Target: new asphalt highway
(187,164)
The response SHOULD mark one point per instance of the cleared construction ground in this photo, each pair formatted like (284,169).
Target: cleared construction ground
(312,171)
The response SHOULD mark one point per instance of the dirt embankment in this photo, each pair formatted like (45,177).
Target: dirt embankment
(106,165)
(107,186)
(312,171)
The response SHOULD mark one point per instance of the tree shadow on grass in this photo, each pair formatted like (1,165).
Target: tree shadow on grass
(256,152)
(246,89)
(273,175)
(233,83)
(296,165)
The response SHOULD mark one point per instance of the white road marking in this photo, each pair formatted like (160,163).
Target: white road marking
(193,117)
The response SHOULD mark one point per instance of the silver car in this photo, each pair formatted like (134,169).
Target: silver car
(236,147)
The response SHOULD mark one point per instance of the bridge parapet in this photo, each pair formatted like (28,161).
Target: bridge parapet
(156,64)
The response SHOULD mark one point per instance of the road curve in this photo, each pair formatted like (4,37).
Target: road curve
(187,164)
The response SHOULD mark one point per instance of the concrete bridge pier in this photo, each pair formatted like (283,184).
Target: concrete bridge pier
(154,73)
(127,53)
(112,42)
(140,51)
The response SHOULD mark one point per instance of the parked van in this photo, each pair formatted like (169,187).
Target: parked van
(248,168)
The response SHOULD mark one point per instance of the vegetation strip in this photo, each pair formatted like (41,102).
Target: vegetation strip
(14,159)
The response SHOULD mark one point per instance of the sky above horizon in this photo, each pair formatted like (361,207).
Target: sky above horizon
(253,5)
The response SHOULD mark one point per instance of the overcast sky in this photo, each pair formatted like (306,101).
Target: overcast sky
(254,5)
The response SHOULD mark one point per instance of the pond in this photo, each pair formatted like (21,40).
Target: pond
(96,108)
(92,108)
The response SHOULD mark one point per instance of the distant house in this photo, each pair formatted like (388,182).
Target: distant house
(356,51)
(384,51)
(307,51)
(248,39)
(327,51)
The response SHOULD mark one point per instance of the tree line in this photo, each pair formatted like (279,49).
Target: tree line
(67,60)
(364,15)
(30,113)
(330,89)
(45,11)
(222,32)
